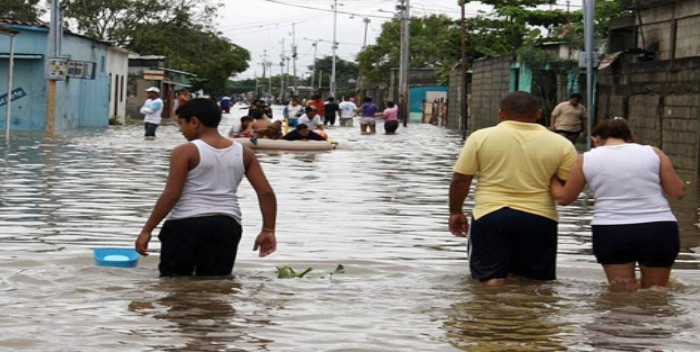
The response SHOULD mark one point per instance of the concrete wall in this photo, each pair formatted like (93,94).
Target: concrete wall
(118,70)
(661,101)
(454,98)
(490,83)
(671,29)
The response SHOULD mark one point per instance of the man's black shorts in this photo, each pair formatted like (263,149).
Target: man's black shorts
(652,244)
(202,246)
(511,241)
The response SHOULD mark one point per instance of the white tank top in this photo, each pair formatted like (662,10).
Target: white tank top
(626,185)
(211,187)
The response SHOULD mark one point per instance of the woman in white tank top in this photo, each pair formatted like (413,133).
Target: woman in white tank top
(632,222)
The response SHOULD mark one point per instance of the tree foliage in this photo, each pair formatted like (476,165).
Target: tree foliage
(176,29)
(344,70)
(21,10)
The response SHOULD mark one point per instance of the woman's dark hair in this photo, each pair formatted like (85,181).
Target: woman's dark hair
(246,118)
(368,99)
(613,128)
(390,104)
(206,110)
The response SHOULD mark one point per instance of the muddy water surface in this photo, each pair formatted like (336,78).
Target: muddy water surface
(377,205)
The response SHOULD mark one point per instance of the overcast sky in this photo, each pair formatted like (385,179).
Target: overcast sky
(260,25)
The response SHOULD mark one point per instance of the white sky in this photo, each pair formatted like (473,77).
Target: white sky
(260,25)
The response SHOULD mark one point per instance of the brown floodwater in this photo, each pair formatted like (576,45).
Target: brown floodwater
(377,205)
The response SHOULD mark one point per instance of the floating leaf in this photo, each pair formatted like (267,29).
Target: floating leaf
(340,269)
(286,272)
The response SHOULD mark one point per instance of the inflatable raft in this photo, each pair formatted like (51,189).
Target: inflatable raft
(281,144)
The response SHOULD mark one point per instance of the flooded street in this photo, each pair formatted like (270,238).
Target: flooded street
(377,205)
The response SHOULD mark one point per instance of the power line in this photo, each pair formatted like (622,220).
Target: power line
(316,8)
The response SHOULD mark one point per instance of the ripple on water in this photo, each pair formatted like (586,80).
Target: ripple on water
(377,205)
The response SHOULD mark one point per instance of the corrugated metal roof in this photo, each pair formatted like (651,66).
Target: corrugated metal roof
(23,23)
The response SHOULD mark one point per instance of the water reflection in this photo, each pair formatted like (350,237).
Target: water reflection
(522,316)
(201,311)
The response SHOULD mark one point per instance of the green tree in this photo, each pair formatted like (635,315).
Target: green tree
(176,29)
(21,10)
(345,71)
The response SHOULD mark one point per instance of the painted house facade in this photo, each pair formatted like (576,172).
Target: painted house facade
(88,96)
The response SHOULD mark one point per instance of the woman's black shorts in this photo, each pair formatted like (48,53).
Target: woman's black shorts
(652,244)
(202,246)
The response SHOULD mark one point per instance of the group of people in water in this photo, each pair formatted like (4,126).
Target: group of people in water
(313,115)
(523,169)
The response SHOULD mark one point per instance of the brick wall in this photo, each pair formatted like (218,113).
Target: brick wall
(661,101)
(490,83)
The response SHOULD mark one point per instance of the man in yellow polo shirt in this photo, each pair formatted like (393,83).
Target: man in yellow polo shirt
(514,221)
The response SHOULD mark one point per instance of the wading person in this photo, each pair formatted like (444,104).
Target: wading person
(347,112)
(203,229)
(311,119)
(514,221)
(331,111)
(292,112)
(632,221)
(368,111)
(391,118)
(152,109)
(569,118)
(303,133)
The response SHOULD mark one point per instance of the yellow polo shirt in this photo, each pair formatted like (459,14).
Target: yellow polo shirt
(515,162)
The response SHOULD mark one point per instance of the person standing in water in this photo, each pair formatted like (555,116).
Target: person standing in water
(632,221)
(569,118)
(347,112)
(391,118)
(203,228)
(331,110)
(514,220)
(152,109)
(368,111)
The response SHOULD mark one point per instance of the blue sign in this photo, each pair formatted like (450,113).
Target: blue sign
(16,94)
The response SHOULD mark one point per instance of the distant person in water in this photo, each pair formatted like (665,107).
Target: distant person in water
(241,129)
(312,119)
(347,112)
(331,111)
(368,111)
(391,118)
(203,228)
(569,118)
(514,220)
(225,104)
(632,221)
(152,109)
(303,133)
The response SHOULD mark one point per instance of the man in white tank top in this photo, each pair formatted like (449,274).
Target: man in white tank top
(203,227)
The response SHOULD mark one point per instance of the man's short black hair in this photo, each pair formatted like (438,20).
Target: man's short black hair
(246,118)
(520,104)
(390,104)
(302,126)
(368,99)
(205,110)
(576,96)
(331,99)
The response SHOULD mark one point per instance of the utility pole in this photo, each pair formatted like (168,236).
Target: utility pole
(404,7)
(294,56)
(335,46)
(366,21)
(282,72)
(320,79)
(256,84)
(591,55)
(313,74)
(55,43)
(463,87)
(269,80)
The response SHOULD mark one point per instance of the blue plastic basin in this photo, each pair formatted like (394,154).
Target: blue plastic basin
(116,257)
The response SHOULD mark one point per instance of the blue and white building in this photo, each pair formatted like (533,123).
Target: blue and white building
(94,90)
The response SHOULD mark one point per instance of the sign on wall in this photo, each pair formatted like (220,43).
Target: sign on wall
(16,93)
(153,75)
(56,68)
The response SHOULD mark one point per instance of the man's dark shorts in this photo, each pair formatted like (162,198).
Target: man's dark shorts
(652,244)
(202,246)
(150,129)
(568,134)
(511,241)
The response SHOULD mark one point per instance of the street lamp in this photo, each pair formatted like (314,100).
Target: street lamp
(12,33)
